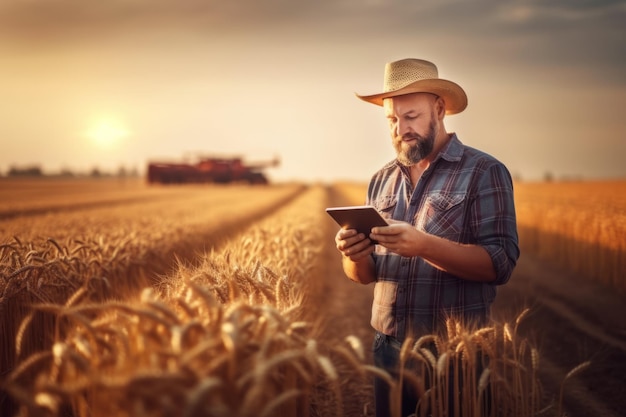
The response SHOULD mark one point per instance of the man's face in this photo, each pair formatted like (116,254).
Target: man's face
(413,126)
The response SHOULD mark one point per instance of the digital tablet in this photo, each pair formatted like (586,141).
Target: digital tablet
(361,218)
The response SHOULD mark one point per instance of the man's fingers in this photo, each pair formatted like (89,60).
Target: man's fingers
(386,230)
(349,242)
(342,235)
(356,253)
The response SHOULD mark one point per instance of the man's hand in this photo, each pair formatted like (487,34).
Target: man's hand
(356,248)
(467,261)
(353,245)
(399,237)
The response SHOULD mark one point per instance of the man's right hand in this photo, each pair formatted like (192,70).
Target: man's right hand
(353,245)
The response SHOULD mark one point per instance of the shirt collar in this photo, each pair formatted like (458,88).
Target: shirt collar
(453,151)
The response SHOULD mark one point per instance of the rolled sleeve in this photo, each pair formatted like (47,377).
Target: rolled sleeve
(503,263)
(494,221)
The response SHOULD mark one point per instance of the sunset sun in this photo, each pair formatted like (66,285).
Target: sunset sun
(107,132)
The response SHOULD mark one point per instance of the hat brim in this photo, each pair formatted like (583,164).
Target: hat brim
(452,93)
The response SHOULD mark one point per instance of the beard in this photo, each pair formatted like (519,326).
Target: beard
(409,155)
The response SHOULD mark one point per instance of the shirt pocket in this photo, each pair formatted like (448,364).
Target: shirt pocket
(442,215)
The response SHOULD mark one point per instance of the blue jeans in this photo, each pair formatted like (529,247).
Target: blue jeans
(386,350)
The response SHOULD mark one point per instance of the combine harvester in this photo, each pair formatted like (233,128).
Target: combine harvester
(211,169)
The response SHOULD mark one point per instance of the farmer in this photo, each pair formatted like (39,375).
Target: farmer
(452,236)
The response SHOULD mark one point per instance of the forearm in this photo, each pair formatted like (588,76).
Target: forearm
(362,271)
(470,262)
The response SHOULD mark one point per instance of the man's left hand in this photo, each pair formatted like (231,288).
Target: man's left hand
(399,237)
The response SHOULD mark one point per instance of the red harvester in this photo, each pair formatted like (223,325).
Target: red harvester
(212,169)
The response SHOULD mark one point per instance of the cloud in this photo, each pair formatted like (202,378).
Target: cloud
(579,35)
(22,17)
(64,20)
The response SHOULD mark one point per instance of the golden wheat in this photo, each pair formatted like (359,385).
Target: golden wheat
(227,329)
(579,225)
(100,251)
(218,330)
(474,372)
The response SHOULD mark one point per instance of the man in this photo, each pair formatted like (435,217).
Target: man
(452,236)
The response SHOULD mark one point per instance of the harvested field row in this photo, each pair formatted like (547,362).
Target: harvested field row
(23,196)
(148,205)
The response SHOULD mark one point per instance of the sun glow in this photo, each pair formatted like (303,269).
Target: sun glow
(107,132)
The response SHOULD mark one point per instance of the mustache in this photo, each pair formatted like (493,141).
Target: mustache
(411,136)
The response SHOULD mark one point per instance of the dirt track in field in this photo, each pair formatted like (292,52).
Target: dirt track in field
(571,320)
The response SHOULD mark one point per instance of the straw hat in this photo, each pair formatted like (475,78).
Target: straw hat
(418,76)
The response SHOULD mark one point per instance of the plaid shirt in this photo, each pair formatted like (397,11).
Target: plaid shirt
(465,196)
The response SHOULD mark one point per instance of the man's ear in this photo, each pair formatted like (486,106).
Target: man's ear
(440,106)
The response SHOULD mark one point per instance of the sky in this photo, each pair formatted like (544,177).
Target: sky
(121,83)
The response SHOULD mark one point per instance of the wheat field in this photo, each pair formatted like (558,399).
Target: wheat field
(578,225)
(123,299)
